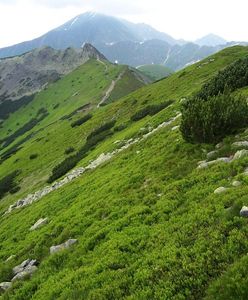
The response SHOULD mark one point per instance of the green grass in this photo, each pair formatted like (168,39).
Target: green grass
(147,222)
(155,72)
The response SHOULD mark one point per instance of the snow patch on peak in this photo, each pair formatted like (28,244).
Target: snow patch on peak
(74,21)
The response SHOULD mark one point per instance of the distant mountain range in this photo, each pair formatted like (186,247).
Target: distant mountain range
(211,40)
(123,42)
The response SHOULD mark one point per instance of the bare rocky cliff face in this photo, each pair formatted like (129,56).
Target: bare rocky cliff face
(30,72)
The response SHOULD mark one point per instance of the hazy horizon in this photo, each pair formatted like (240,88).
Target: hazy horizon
(182,20)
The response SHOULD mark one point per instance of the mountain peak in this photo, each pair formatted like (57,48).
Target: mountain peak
(211,40)
(92,52)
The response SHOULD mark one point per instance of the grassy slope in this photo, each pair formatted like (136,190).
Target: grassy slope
(148,223)
(155,72)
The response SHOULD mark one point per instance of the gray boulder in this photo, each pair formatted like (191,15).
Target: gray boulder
(236,183)
(206,164)
(27,272)
(24,265)
(240,154)
(211,154)
(63,246)
(240,144)
(41,222)
(220,190)
(4,286)
(244,212)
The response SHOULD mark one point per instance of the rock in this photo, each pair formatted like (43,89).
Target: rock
(218,146)
(205,164)
(220,190)
(175,128)
(245,172)
(41,222)
(28,271)
(240,154)
(236,183)
(63,246)
(240,144)
(24,265)
(10,258)
(244,212)
(211,154)
(4,286)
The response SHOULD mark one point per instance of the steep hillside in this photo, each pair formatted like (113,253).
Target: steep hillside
(139,218)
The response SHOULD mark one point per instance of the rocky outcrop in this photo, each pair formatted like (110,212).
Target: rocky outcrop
(244,212)
(240,144)
(63,246)
(25,269)
(205,164)
(41,222)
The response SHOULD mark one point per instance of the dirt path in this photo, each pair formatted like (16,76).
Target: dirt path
(110,89)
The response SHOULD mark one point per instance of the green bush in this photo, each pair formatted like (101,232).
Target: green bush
(234,76)
(33,156)
(208,121)
(69,150)
(150,110)
(8,184)
(104,127)
(81,120)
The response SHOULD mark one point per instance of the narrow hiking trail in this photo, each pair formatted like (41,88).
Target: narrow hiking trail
(110,89)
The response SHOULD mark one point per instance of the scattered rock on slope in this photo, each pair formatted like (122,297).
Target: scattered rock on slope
(244,211)
(220,190)
(4,286)
(25,269)
(63,246)
(41,222)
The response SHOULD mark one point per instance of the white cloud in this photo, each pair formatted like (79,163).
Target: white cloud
(25,19)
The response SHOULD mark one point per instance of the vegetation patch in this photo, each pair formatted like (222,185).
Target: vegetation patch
(8,184)
(81,121)
(150,110)
(94,138)
(9,106)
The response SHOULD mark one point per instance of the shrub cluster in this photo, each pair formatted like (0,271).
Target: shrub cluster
(33,156)
(208,121)
(214,112)
(8,184)
(233,77)
(95,137)
(150,110)
(81,121)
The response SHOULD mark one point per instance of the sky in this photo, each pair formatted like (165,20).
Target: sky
(22,20)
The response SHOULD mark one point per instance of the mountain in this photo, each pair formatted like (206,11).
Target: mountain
(93,28)
(28,73)
(135,211)
(25,75)
(119,41)
(211,40)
